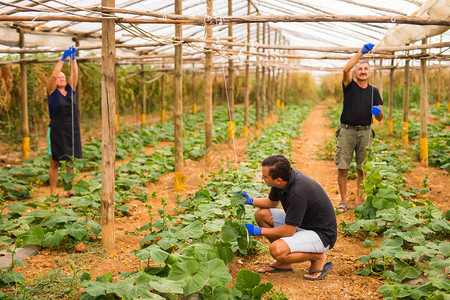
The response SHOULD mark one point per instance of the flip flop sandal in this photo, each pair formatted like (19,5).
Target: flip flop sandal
(342,207)
(275,270)
(322,272)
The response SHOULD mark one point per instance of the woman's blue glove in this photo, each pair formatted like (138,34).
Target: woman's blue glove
(253,230)
(249,200)
(73,52)
(66,53)
(367,48)
(375,110)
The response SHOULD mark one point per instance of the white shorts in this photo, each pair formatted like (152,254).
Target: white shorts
(303,240)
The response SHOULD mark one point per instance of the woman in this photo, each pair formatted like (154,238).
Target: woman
(63,138)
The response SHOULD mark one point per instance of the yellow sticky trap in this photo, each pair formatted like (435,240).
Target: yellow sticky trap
(117,123)
(278,102)
(405,133)
(245,131)
(438,104)
(423,151)
(26,147)
(194,108)
(230,129)
(143,119)
(391,127)
(180,179)
(282,105)
(163,115)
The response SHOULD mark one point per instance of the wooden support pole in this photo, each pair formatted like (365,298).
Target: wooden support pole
(391,100)
(405,105)
(163,98)
(24,102)
(438,88)
(423,142)
(208,88)
(178,105)
(257,81)
(144,96)
(269,84)
(230,78)
(194,95)
(108,129)
(263,82)
(247,77)
(78,89)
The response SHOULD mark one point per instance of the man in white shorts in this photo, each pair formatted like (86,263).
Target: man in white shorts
(304,230)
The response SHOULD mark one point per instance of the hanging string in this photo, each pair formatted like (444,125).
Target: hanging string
(72,101)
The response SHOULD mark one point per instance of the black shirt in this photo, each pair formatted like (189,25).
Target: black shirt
(307,206)
(358,102)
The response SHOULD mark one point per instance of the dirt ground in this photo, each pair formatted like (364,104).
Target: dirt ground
(340,283)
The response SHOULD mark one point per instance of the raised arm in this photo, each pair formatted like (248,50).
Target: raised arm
(347,71)
(73,79)
(52,84)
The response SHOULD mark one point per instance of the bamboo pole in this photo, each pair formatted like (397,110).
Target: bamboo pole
(257,80)
(24,103)
(438,88)
(194,95)
(108,129)
(423,142)
(405,104)
(162,18)
(163,98)
(208,88)
(144,96)
(78,89)
(247,77)
(178,105)
(263,83)
(230,78)
(391,99)
(269,85)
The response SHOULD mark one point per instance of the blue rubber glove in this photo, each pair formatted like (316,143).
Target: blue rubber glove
(367,48)
(249,200)
(73,53)
(66,53)
(375,110)
(253,230)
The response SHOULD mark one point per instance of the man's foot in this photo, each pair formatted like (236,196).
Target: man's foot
(276,267)
(321,273)
(342,207)
(317,267)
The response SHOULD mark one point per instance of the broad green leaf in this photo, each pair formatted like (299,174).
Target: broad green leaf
(237,200)
(40,213)
(52,221)
(32,237)
(5,241)
(225,252)
(11,276)
(164,285)
(385,198)
(404,271)
(444,247)
(131,288)
(215,272)
(17,207)
(156,253)
(202,195)
(77,231)
(230,230)
(247,280)
(192,231)
(186,271)
(261,289)
(424,290)
(442,284)
(53,238)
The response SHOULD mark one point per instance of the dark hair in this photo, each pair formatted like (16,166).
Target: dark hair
(280,167)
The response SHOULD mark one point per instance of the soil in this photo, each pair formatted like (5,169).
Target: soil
(341,282)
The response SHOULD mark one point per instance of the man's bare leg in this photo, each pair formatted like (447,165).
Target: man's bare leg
(342,183)
(263,218)
(359,190)
(53,175)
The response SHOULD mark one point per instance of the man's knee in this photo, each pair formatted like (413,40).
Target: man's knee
(263,216)
(279,249)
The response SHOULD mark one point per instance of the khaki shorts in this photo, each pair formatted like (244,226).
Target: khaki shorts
(349,141)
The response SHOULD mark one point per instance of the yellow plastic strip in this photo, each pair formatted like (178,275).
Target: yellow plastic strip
(282,105)
(423,142)
(278,102)
(117,123)
(143,119)
(163,115)
(194,108)
(180,179)
(26,147)
(405,133)
(391,127)
(231,129)
(245,131)
(438,104)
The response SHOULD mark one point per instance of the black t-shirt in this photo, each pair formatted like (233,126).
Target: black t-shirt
(307,206)
(358,103)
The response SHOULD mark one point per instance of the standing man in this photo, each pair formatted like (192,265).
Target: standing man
(304,230)
(361,100)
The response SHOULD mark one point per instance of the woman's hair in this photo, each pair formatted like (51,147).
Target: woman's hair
(280,167)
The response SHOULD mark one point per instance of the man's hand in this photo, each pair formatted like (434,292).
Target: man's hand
(375,110)
(249,200)
(73,52)
(66,53)
(253,230)
(367,48)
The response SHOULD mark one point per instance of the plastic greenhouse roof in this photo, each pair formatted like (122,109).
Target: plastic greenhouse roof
(58,34)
